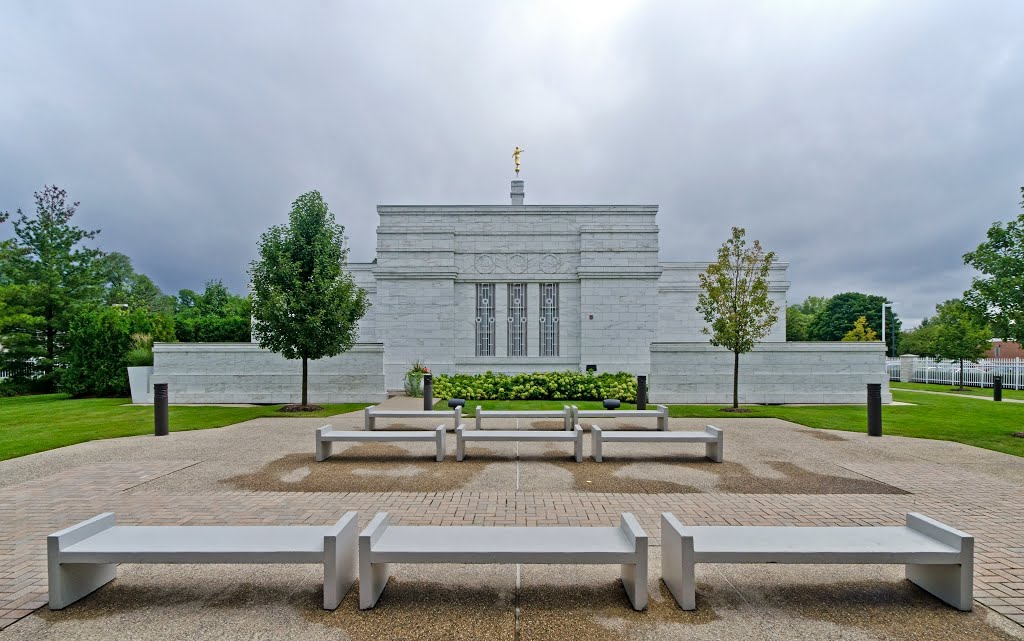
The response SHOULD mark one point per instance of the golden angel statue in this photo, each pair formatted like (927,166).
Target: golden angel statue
(515,156)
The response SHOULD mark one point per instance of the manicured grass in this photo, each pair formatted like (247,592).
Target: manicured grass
(967,391)
(30,424)
(947,418)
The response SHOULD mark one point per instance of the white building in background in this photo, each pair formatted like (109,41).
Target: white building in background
(527,288)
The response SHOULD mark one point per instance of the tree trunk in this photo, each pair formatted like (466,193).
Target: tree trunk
(735,380)
(305,377)
(961,374)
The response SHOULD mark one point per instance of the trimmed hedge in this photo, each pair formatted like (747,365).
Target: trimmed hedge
(98,346)
(580,386)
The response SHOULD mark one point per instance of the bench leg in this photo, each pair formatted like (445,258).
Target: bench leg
(634,575)
(323,448)
(439,442)
(953,584)
(579,444)
(460,444)
(372,576)
(595,442)
(677,562)
(69,582)
(716,450)
(340,560)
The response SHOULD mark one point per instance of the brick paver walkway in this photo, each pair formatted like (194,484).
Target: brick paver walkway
(985,506)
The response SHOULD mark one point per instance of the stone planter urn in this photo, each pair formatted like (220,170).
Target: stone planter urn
(138,380)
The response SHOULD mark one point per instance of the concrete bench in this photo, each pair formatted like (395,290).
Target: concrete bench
(372,413)
(565,414)
(661,414)
(84,557)
(462,435)
(712,437)
(937,557)
(381,544)
(326,435)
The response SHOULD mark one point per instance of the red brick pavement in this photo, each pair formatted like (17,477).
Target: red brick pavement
(987,507)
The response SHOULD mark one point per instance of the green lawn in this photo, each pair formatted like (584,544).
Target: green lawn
(30,424)
(948,418)
(967,391)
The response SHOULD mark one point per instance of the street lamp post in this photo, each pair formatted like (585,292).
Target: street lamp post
(884,305)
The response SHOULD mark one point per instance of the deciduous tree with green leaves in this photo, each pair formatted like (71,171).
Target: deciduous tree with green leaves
(734,299)
(860,332)
(305,305)
(998,295)
(959,335)
(48,276)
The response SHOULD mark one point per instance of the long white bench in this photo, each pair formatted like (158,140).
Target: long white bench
(326,435)
(712,437)
(937,557)
(84,557)
(372,413)
(660,414)
(565,414)
(381,544)
(462,435)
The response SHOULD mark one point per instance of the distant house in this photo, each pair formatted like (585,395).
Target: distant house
(1004,349)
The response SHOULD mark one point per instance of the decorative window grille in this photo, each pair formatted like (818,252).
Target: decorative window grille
(549,319)
(485,319)
(517,319)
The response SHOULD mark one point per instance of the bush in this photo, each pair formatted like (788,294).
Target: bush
(213,329)
(99,343)
(577,386)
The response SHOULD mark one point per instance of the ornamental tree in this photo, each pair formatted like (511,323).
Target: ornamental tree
(998,295)
(305,305)
(734,299)
(959,335)
(860,332)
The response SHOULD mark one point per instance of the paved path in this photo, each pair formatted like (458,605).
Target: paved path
(161,481)
(980,398)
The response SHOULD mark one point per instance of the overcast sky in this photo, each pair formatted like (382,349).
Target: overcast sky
(870,144)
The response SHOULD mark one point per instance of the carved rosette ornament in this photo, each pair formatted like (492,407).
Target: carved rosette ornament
(484,264)
(516,264)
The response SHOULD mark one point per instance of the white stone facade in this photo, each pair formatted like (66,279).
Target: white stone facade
(614,297)
(244,373)
(618,309)
(832,372)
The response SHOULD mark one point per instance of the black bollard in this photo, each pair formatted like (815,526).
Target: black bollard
(874,409)
(997,388)
(611,403)
(161,424)
(641,392)
(428,392)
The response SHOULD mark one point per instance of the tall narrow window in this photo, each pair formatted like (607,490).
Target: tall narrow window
(549,319)
(485,319)
(517,319)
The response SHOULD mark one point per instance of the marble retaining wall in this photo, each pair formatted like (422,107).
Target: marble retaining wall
(245,373)
(810,372)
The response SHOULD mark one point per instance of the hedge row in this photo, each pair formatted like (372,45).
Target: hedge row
(582,386)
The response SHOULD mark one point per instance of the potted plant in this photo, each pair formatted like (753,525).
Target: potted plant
(140,368)
(414,379)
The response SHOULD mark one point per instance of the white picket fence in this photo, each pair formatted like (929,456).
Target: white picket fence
(931,370)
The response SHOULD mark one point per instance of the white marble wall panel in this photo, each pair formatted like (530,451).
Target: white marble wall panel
(812,372)
(245,373)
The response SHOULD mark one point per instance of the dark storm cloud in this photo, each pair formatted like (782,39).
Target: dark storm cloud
(870,144)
